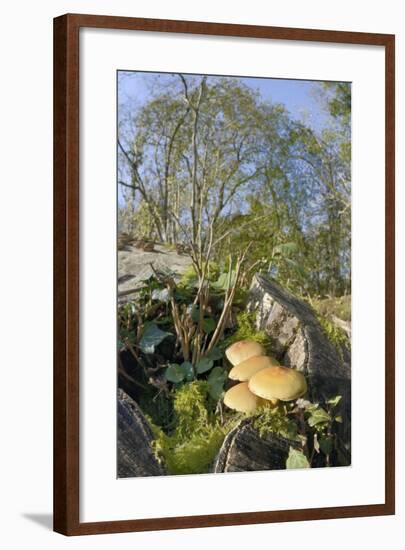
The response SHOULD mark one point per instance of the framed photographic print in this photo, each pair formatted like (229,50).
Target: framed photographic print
(223,274)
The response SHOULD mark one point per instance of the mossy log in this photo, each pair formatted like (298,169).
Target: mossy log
(299,342)
(243,450)
(135,457)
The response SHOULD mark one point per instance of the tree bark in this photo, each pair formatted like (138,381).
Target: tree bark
(135,457)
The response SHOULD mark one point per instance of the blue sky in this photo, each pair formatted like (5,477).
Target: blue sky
(298,96)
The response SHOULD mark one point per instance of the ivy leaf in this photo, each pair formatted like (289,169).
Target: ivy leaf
(318,416)
(216,381)
(326,445)
(334,400)
(224,279)
(188,370)
(151,337)
(209,325)
(174,373)
(194,313)
(204,365)
(289,431)
(296,460)
(214,354)
(127,336)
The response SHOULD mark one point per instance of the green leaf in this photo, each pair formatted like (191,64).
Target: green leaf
(318,416)
(214,354)
(151,337)
(127,336)
(174,373)
(296,459)
(326,445)
(188,370)
(195,313)
(334,400)
(216,381)
(339,419)
(204,365)
(290,431)
(209,325)
(224,279)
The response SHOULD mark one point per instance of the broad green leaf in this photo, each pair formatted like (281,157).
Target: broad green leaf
(174,373)
(204,365)
(127,336)
(209,325)
(290,432)
(217,374)
(326,445)
(151,337)
(188,370)
(216,381)
(296,459)
(224,279)
(318,416)
(334,400)
(194,313)
(312,407)
(214,354)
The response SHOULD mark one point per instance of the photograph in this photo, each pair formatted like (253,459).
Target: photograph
(233,204)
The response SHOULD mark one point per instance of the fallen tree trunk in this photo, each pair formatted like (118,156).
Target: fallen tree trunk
(135,456)
(299,342)
(243,450)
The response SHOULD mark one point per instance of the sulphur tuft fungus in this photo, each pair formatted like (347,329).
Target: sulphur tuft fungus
(241,399)
(278,383)
(242,350)
(245,370)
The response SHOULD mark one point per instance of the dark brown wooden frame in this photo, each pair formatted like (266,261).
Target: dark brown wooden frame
(66,273)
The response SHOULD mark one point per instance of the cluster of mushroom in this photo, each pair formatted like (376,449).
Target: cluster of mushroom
(261,378)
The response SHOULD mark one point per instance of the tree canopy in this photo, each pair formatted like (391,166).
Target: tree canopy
(208,163)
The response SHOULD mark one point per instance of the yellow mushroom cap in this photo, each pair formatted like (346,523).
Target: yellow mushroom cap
(240,398)
(245,370)
(240,351)
(278,383)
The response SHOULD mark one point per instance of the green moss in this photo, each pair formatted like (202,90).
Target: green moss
(335,334)
(275,420)
(190,408)
(340,307)
(246,330)
(194,455)
(189,277)
(197,435)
